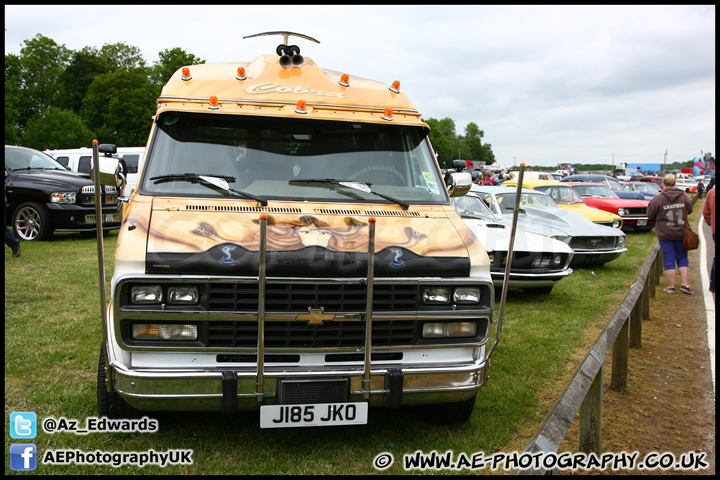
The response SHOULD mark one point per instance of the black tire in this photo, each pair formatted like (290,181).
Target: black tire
(31,222)
(111,404)
(538,290)
(452,412)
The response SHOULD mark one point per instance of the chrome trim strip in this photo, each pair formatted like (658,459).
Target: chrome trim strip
(279,103)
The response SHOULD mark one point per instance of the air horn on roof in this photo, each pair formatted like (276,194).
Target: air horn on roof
(289,54)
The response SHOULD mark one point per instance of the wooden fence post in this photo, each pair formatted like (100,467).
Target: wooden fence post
(636,324)
(620,358)
(591,417)
(646,298)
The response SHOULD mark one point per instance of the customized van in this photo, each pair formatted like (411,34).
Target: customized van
(291,248)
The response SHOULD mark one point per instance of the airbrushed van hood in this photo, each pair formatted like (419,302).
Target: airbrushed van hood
(189,239)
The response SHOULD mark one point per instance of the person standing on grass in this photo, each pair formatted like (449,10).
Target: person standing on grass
(670,210)
(10,239)
(709,216)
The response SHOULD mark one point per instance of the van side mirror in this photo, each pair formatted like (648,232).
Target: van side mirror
(458,183)
(111,171)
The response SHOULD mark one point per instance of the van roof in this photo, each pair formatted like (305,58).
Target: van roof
(270,89)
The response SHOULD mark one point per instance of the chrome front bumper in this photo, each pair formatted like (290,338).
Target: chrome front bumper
(590,257)
(204,390)
(528,280)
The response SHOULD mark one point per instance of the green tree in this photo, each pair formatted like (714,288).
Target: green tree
(440,143)
(170,61)
(84,66)
(119,107)
(42,61)
(123,55)
(57,128)
(12,98)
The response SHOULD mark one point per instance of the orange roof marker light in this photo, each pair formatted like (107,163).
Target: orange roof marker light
(395,88)
(388,114)
(241,73)
(213,103)
(186,74)
(344,80)
(300,107)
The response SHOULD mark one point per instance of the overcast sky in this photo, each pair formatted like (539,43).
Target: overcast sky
(547,84)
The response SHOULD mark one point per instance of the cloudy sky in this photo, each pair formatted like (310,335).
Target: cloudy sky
(547,84)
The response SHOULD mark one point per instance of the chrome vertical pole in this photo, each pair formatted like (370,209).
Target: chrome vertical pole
(508,260)
(98,224)
(369,307)
(260,378)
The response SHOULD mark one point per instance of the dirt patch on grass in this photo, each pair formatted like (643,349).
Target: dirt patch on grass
(669,404)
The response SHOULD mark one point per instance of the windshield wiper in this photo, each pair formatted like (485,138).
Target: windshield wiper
(220,181)
(362,186)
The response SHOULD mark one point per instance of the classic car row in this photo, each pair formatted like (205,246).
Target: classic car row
(556,228)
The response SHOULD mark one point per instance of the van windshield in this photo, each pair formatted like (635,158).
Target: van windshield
(268,157)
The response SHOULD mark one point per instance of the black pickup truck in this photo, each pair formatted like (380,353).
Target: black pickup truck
(42,197)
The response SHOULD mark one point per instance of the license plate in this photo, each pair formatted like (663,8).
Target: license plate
(541,262)
(108,217)
(640,223)
(315,415)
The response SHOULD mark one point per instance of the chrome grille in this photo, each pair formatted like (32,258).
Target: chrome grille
(239,297)
(228,334)
(636,211)
(592,243)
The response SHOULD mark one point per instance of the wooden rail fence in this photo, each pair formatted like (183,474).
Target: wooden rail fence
(584,392)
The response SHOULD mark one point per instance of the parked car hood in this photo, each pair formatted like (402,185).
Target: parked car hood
(61,178)
(616,202)
(496,238)
(558,222)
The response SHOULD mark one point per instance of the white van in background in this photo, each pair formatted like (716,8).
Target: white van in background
(132,156)
(80,160)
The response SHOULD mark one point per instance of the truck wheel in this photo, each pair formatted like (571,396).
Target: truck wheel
(31,221)
(538,290)
(111,404)
(452,412)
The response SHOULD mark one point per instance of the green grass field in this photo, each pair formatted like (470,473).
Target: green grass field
(53,335)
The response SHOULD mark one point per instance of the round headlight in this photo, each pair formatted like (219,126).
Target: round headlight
(557,260)
(621,211)
(616,223)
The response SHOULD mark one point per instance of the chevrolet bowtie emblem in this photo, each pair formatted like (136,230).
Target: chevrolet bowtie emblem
(315,316)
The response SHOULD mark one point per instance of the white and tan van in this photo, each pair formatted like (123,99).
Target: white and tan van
(291,248)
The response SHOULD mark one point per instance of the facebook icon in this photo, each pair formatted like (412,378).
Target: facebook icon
(23,456)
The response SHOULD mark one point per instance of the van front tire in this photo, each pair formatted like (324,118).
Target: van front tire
(111,404)
(450,413)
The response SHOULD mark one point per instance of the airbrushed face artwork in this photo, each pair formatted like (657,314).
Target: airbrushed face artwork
(229,242)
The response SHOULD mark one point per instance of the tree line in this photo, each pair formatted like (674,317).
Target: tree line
(56,97)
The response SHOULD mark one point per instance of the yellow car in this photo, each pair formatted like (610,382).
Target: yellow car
(567,198)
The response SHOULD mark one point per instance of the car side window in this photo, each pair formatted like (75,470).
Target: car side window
(64,161)
(84,164)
